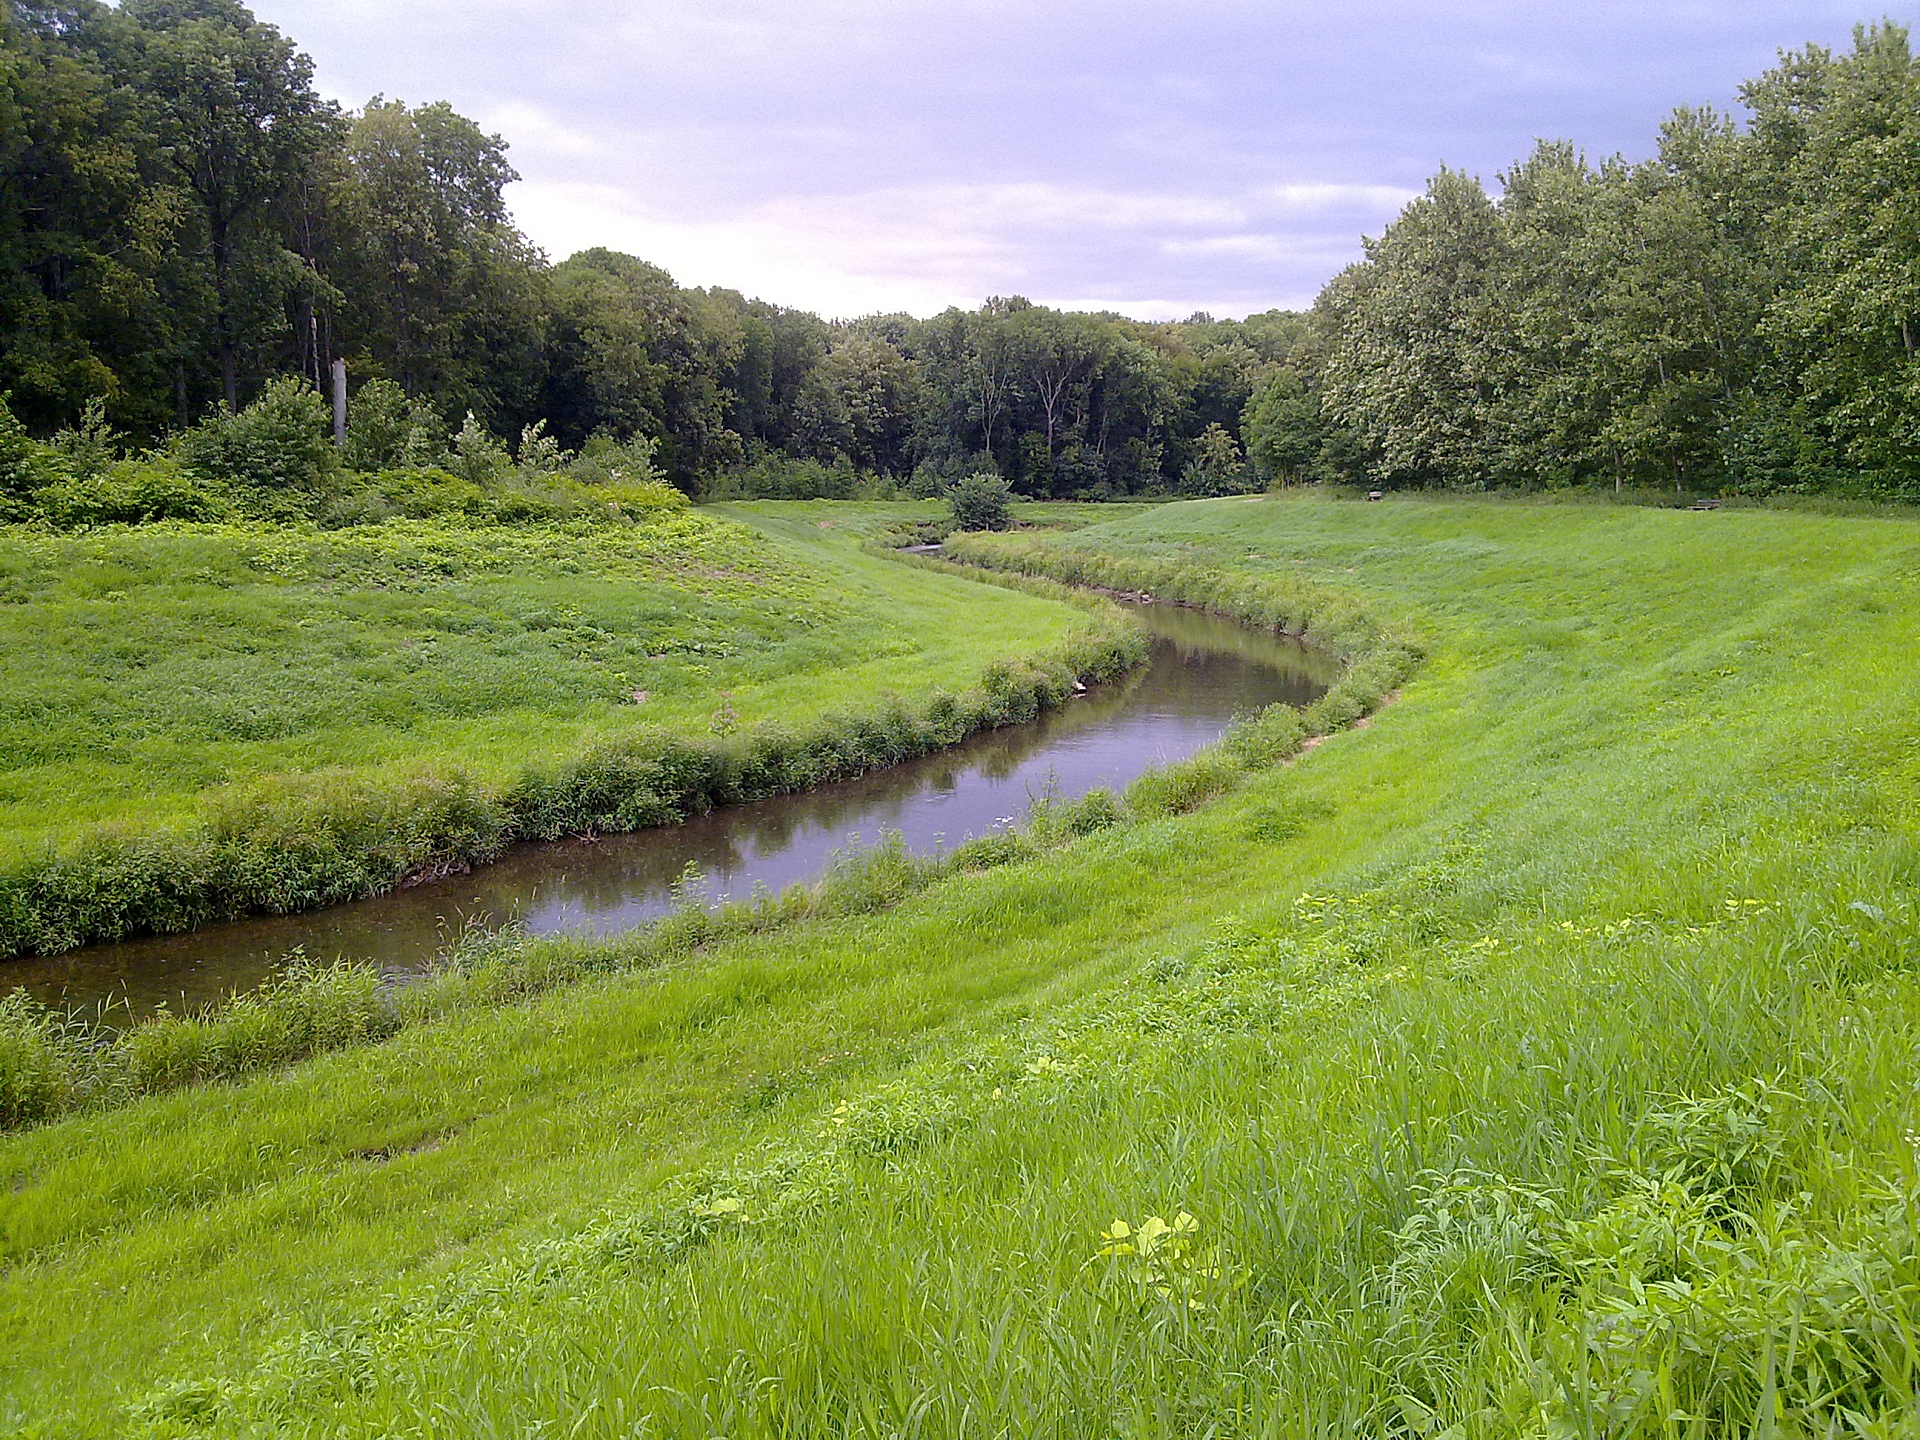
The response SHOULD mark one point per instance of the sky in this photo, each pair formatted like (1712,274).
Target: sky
(861,156)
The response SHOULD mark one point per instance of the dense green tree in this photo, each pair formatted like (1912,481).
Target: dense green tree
(633,353)
(444,295)
(235,115)
(1289,439)
(862,401)
(84,229)
(1408,367)
(1848,323)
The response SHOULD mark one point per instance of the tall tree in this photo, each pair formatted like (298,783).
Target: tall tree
(446,295)
(1407,366)
(236,118)
(1847,130)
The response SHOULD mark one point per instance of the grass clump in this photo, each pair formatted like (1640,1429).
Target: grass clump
(309,1010)
(40,1062)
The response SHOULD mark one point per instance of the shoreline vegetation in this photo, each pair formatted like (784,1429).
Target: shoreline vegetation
(51,1063)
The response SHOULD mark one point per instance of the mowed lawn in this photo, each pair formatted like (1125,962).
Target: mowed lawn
(1537,1060)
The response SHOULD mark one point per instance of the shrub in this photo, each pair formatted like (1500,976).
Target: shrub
(606,461)
(540,453)
(25,466)
(388,430)
(1050,819)
(134,492)
(981,502)
(277,445)
(778,477)
(90,447)
(477,455)
(417,494)
(639,499)
(507,497)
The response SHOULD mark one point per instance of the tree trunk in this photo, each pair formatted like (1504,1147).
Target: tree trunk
(223,319)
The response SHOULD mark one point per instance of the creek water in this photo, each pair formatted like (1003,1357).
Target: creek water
(1203,672)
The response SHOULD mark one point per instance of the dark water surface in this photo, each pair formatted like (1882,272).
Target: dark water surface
(1203,673)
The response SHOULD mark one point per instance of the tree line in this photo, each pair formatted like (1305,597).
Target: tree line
(1738,314)
(186,224)
(183,219)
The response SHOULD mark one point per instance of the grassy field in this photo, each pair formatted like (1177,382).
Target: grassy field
(1537,1060)
(178,680)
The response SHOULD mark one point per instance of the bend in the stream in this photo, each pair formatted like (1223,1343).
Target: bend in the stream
(1203,672)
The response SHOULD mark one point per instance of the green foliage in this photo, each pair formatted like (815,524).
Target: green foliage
(278,445)
(504,497)
(774,477)
(90,447)
(1217,467)
(477,457)
(25,467)
(1734,315)
(310,1009)
(1290,440)
(604,461)
(980,502)
(136,492)
(40,1062)
(388,430)
(437,288)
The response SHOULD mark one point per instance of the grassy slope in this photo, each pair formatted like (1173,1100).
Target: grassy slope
(146,665)
(1605,851)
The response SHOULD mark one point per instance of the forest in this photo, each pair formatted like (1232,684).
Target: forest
(184,221)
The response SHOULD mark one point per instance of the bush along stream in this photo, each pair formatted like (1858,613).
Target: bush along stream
(53,1061)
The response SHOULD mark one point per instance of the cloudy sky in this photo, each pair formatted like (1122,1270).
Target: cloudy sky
(852,156)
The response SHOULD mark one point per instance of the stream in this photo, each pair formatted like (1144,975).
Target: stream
(1203,672)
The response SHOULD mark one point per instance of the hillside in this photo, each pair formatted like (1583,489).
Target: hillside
(1535,1059)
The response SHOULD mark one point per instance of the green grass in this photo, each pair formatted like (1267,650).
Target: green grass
(391,690)
(1537,1060)
(148,664)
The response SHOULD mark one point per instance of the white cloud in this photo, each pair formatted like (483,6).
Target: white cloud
(862,155)
(922,248)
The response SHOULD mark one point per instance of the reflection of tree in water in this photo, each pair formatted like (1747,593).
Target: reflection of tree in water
(1203,672)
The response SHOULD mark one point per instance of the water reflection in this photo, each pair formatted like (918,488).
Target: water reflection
(1203,672)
